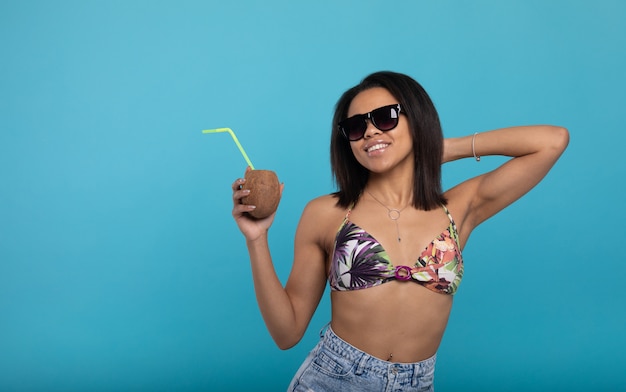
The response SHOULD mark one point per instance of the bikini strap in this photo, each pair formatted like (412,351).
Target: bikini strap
(350,207)
(345,218)
(453,230)
(445,209)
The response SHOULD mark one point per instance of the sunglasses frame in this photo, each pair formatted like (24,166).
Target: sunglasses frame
(368,116)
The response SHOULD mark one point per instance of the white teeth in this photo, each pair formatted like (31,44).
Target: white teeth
(377,147)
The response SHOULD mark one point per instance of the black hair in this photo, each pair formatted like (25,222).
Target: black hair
(351,177)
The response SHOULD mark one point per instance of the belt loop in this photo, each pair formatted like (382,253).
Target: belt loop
(324,329)
(362,363)
(417,371)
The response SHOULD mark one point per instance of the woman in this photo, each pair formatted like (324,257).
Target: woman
(389,240)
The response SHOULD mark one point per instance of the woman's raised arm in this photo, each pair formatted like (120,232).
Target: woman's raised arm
(534,150)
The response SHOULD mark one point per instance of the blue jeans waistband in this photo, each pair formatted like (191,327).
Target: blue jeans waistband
(371,364)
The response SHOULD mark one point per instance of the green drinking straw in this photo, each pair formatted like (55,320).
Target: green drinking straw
(232,134)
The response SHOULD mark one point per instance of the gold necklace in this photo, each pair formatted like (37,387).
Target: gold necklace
(392,213)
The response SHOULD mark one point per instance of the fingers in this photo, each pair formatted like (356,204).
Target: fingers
(239,193)
(238,183)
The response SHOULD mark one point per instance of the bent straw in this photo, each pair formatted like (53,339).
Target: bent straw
(232,134)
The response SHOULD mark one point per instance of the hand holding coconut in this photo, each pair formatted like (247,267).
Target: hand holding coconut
(258,194)
(255,214)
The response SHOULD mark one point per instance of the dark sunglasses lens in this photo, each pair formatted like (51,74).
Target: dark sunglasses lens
(385,118)
(354,128)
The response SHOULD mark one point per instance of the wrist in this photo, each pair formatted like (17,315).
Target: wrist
(476,156)
(258,240)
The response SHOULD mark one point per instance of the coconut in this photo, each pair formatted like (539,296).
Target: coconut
(264,192)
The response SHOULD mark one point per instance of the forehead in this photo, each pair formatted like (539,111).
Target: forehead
(370,99)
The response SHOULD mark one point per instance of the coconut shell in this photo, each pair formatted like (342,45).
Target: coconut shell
(264,192)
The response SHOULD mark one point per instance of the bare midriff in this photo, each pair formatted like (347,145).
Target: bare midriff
(396,321)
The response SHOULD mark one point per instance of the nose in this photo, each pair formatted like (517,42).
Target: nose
(370,129)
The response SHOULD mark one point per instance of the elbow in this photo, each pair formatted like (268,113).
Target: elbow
(286,344)
(555,140)
(560,139)
(287,341)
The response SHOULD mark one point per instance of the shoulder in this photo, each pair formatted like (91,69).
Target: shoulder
(323,202)
(463,193)
(323,208)
(321,218)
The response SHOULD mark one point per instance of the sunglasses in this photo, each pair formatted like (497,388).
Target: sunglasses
(384,119)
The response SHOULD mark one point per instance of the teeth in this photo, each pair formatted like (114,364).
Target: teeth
(377,147)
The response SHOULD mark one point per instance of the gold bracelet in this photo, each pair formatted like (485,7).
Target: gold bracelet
(477,157)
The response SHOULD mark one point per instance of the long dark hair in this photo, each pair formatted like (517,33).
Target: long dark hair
(351,177)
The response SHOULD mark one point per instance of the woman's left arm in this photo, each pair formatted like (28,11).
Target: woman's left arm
(534,149)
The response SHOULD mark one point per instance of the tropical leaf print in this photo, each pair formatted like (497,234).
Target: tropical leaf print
(360,261)
(440,267)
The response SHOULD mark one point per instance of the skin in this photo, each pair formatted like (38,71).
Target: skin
(402,319)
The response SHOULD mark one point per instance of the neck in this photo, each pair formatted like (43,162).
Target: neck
(394,194)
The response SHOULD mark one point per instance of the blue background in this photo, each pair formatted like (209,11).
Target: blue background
(121,267)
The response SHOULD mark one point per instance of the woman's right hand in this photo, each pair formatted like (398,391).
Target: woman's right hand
(252,228)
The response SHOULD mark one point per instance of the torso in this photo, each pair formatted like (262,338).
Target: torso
(398,318)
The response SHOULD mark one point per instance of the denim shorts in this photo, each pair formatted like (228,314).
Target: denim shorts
(335,365)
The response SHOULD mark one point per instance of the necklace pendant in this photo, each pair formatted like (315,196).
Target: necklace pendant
(393,214)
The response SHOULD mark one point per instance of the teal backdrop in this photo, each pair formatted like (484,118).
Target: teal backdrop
(121,267)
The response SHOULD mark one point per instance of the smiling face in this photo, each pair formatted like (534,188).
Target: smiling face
(413,150)
(380,151)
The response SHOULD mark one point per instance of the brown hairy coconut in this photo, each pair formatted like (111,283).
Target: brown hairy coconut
(264,192)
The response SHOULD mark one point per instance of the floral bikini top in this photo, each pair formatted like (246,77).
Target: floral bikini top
(359,261)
